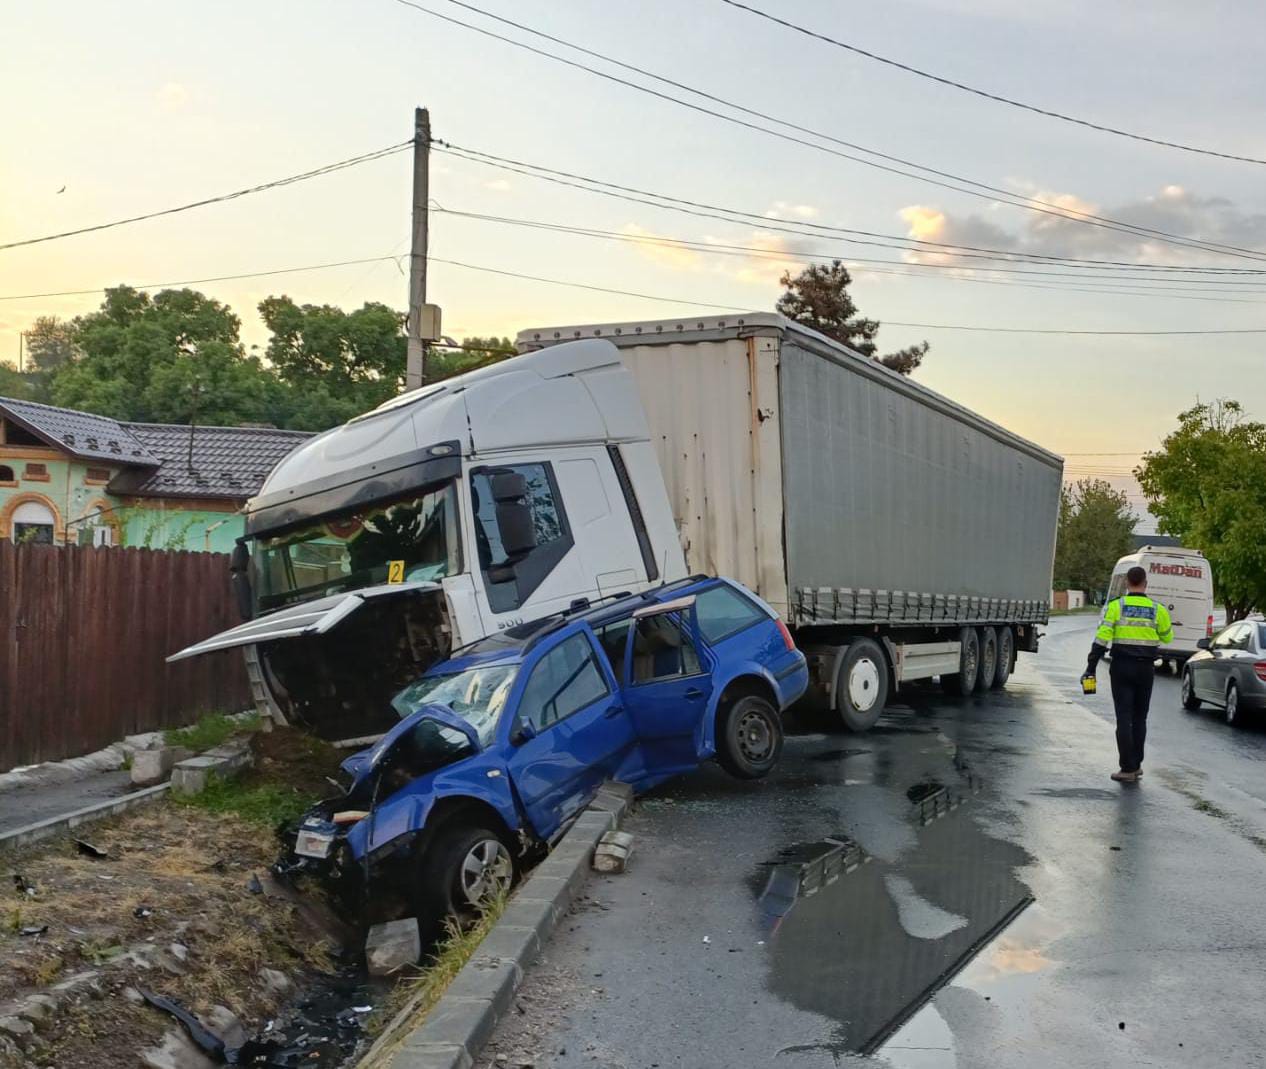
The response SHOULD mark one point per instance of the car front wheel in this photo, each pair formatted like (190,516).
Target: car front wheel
(466,868)
(749,737)
(1189,699)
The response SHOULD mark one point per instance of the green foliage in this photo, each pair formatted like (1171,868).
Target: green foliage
(50,343)
(818,297)
(1095,524)
(268,804)
(210,731)
(1207,485)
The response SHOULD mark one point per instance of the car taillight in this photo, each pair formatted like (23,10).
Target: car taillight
(1260,669)
(1208,627)
(786,635)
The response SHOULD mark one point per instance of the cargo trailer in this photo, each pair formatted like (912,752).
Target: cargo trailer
(901,535)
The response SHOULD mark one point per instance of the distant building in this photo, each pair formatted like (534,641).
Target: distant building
(68,476)
(1141,540)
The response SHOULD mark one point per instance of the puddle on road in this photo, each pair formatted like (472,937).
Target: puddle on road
(869,946)
(829,756)
(1089,794)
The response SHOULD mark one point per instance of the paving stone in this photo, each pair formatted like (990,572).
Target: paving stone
(390,946)
(150,767)
(176,1051)
(613,852)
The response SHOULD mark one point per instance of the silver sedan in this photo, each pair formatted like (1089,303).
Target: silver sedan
(1229,671)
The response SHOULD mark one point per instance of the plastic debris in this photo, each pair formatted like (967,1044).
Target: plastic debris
(88,850)
(22,885)
(254,886)
(34,929)
(142,912)
(707,939)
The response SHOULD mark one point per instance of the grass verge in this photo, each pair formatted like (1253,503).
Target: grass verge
(268,804)
(416,994)
(211,731)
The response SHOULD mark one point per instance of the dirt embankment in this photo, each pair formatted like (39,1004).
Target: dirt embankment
(173,907)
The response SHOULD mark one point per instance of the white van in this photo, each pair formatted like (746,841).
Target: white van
(1180,579)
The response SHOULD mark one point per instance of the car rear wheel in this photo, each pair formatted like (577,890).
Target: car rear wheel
(988,639)
(1189,699)
(1006,657)
(963,682)
(466,868)
(862,690)
(1234,714)
(749,737)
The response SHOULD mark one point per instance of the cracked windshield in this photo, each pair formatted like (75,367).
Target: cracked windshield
(714,535)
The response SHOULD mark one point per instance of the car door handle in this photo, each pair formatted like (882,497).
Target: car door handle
(614,711)
(693,694)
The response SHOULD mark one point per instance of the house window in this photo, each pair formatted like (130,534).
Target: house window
(33,521)
(36,473)
(7,476)
(97,476)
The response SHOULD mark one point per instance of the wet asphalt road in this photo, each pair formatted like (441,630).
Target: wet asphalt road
(1077,922)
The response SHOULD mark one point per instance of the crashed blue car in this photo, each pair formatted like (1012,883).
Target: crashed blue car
(501,745)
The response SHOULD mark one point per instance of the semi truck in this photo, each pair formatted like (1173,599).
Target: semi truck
(899,535)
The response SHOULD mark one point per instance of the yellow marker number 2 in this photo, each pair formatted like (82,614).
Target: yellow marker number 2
(395,571)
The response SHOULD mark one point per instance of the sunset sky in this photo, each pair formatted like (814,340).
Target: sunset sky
(141,106)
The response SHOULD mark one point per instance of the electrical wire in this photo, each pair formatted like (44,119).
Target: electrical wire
(981,189)
(805,228)
(200,281)
(328,168)
(996,97)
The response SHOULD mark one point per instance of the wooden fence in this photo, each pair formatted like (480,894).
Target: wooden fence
(83,636)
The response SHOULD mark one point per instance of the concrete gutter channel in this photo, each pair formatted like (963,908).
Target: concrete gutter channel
(464,1018)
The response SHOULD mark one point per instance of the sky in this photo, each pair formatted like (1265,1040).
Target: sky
(111,110)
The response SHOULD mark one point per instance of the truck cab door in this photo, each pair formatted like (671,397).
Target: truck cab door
(569,731)
(667,689)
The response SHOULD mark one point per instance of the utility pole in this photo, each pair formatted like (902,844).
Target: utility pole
(415,368)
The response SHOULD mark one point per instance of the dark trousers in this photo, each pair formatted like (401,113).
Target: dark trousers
(1132,679)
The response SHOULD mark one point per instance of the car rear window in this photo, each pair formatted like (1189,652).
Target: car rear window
(722,611)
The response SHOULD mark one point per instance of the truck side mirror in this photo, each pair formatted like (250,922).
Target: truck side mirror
(240,577)
(514,515)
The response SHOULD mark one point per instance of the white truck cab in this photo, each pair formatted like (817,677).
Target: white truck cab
(1181,580)
(442,516)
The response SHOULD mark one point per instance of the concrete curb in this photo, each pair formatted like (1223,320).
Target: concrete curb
(465,1016)
(45,829)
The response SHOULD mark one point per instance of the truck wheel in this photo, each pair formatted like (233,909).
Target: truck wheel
(988,639)
(963,682)
(749,738)
(464,869)
(862,688)
(1006,656)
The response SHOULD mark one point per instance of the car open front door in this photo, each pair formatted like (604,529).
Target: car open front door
(569,731)
(667,689)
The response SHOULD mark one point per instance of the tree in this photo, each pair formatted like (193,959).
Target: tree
(474,352)
(818,297)
(50,343)
(1207,485)
(1095,524)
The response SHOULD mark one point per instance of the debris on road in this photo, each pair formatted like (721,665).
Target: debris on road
(393,945)
(88,850)
(613,851)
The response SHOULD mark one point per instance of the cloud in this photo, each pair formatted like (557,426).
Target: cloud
(498,185)
(1173,209)
(672,256)
(763,266)
(784,210)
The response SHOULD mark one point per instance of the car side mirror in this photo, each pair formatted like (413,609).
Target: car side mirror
(524,732)
(240,578)
(514,514)
(1202,643)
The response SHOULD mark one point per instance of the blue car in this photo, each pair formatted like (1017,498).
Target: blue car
(501,745)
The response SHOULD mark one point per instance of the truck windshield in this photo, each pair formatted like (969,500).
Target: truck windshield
(477,695)
(353,549)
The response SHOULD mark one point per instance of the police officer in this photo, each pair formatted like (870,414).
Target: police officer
(1134,626)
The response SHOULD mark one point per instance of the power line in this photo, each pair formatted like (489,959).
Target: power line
(200,281)
(981,190)
(328,168)
(887,322)
(1132,288)
(705,210)
(996,97)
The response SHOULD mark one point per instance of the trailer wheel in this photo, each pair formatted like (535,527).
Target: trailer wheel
(988,639)
(1006,656)
(963,682)
(861,691)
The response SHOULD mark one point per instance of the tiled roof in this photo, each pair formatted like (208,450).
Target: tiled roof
(228,462)
(79,433)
